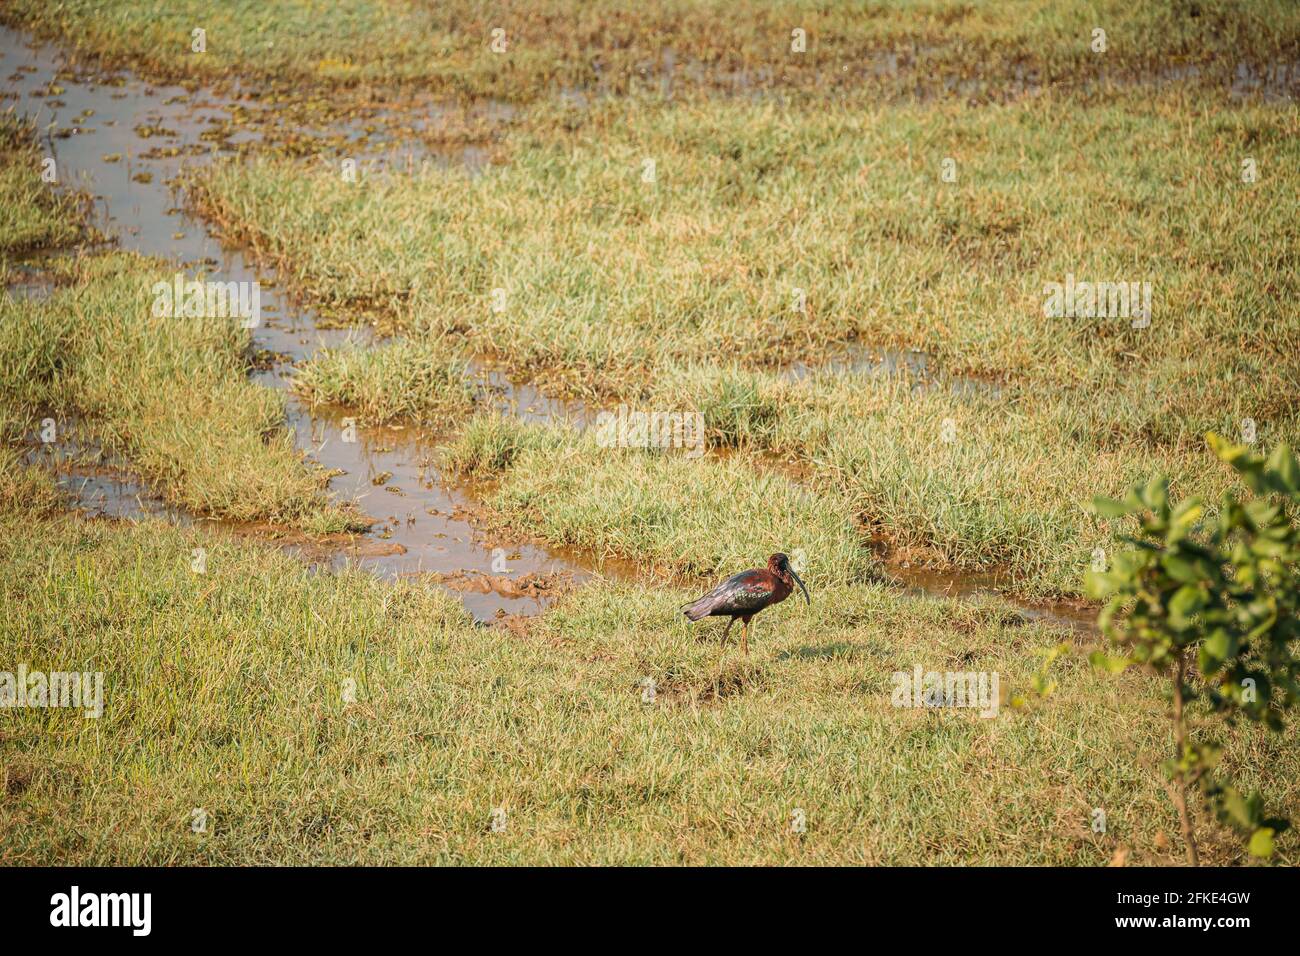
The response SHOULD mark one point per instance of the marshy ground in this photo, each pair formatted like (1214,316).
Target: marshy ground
(362,574)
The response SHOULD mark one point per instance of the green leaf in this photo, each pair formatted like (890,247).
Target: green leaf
(1182,569)
(1184,605)
(1102,584)
(1187,514)
(1238,456)
(1218,444)
(1235,808)
(1269,549)
(1109,508)
(1216,649)
(1113,665)
(1283,465)
(1261,842)
(1219,645)
(1261,512)
(1156,493)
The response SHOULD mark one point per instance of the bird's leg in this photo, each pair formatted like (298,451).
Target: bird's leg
(722,652)
(722,649)
(744,637)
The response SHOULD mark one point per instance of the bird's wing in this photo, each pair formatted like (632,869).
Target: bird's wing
(746,591)
(751,595)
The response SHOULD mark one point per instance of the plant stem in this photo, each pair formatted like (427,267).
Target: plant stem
(1180,747)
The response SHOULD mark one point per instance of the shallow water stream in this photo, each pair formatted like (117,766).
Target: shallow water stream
(122,141)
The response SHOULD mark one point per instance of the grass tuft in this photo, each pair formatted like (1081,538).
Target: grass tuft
(692,516)
(405,379)
(169,395)
(34,217)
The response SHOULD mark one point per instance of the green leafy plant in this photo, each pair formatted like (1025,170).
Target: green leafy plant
(1210,601)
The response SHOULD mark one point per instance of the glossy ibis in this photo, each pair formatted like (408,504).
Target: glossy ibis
(745,594)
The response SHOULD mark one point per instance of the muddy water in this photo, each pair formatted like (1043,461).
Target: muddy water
(122,141)
(966,584)
(914,365)
(98,487)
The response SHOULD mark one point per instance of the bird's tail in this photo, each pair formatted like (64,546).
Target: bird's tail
(697,609)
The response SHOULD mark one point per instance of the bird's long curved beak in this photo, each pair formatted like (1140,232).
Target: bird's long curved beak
(799,581)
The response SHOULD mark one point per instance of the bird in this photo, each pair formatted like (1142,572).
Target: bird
(745,594)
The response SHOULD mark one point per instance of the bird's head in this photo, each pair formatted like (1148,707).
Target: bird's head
(779,564)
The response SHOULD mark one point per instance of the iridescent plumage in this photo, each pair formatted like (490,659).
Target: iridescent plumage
(745,594)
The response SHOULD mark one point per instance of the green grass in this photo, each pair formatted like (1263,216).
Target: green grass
(224,691)
(409,380)
(32,217)
(693,516)
(171,396)
(980,48)
(614,286)
(1006,491)
(26,489)
(606,277)
(876,470)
